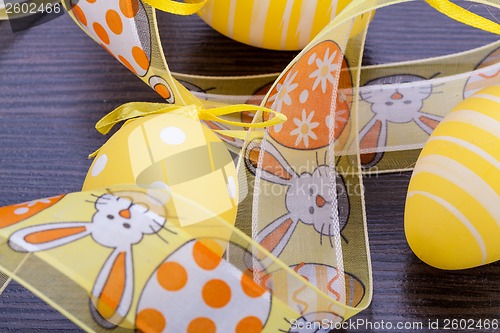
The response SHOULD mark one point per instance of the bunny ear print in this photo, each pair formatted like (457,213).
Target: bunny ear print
(276,235)
(275,168)
(47,236)
(373,136)
(11,215)
(428,122)
(113,290)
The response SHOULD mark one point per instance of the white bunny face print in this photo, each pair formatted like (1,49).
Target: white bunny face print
(393,101)
(126,221)
(319,212)
(118,223)
(307,198)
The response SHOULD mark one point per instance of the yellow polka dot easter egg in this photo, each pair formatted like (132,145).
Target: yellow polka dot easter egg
(271,24)
(452,214)
(175,152)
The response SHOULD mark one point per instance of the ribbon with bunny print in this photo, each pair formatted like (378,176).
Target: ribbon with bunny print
(159,227)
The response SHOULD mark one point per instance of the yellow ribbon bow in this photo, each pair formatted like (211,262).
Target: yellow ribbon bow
(132,110)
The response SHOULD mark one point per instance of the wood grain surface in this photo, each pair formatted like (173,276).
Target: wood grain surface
(55,83)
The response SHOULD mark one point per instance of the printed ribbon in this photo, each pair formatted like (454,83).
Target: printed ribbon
(309,243)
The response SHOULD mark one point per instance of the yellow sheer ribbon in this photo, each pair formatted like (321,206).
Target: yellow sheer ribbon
(178,8)
(132,110)
(464,16)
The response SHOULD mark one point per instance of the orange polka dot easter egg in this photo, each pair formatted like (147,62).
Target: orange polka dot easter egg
(171,152)
(217,296)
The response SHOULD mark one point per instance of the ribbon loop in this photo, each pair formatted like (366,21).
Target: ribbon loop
(213,115)
(175,7)
(464,16)
(133,110)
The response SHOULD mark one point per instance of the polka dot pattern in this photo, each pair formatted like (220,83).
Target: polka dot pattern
(99,165)
(216,293)
(249,325)
(151,321)
(116,24)
(80,16)
(204,257)
(220,297)
(114,21)
(101,33)
(202,325)
(250,288)
(162,88)
(172,276)
(20,212)
(140,57)
(129,8)
(172,135)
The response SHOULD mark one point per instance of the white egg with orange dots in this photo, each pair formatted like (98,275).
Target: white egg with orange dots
(452,214)
(271,24)
(175,152)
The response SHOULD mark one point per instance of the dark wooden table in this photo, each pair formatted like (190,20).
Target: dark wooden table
(55,83)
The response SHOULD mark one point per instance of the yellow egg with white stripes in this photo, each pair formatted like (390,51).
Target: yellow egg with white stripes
(271,24)
(452,214)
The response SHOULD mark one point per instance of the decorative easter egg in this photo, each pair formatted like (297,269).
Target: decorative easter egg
(304,94)
(346,289)
(452,214)
(271,24)
(171,151)
(217,296)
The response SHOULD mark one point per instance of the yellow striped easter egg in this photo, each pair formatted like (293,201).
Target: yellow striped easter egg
(452,214)
(271,24)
